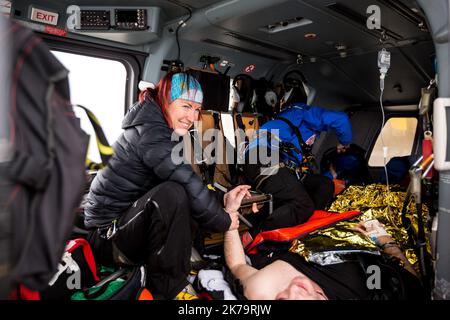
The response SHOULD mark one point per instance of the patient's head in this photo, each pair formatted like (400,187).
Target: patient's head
(302,288)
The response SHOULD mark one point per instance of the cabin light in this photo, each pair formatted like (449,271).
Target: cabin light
(340,46)
(310,36)
(312,59)
(285,24)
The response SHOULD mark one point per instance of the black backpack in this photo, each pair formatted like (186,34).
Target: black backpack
(46,172)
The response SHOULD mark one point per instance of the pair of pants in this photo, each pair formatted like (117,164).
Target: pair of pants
(294,200)
(155,231)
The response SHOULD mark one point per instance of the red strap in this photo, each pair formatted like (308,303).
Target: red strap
(23,293)
(319,219)
(87,252)
(427,150)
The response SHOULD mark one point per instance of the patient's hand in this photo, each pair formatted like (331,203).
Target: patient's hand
(374,230)
(369,227)
(340,148)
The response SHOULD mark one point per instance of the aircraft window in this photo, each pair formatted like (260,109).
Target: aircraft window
(228,128)
(398,136)
(98,84)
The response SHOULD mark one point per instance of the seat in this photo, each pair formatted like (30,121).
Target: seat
(247,123)
(210,156)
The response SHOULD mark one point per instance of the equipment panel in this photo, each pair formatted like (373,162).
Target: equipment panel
(131,19)
(95,20)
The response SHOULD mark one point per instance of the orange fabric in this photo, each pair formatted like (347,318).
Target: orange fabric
(339,185)
(145,295)
(319,219)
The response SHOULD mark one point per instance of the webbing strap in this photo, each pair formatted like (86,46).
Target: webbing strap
(306,149)
(212,167)
(198,155)
(103,146)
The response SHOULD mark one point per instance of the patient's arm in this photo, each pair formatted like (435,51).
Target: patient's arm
(262,284)
(375,231)
(394,250)
(235,257)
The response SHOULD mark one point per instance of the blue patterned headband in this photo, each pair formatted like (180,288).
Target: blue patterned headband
(180,89)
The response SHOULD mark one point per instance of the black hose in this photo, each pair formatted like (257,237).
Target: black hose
(180,25)
(406,222)
(422,248)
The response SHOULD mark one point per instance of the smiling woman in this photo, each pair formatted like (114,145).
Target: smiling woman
(141,179)
(182,114)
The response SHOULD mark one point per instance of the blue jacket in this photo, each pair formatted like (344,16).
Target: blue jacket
(311,121)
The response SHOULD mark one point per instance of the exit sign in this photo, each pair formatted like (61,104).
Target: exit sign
(44,16)
(5,7)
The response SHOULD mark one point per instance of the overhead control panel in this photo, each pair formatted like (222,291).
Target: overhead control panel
(125,24)
(119,18)
(131,19)
(131,25)
(114,19)
(95,20)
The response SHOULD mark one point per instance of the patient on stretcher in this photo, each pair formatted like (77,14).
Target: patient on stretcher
(349,275)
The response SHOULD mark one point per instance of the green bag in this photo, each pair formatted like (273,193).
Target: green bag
(123,284)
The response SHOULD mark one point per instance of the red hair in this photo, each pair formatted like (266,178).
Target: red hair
(161,95)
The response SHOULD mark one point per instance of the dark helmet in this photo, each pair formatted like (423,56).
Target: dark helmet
(294,85)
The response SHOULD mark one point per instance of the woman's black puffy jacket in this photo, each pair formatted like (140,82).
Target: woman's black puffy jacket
(142,160)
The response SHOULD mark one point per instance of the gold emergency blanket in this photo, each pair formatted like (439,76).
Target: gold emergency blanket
(375,203)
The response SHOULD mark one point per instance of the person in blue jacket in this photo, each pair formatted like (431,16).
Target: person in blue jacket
(296,191)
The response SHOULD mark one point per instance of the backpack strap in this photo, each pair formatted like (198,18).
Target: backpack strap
(306,149)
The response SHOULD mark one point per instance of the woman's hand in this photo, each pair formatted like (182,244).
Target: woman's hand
(233,198)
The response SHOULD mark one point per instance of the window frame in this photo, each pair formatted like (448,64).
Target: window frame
(133,61)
